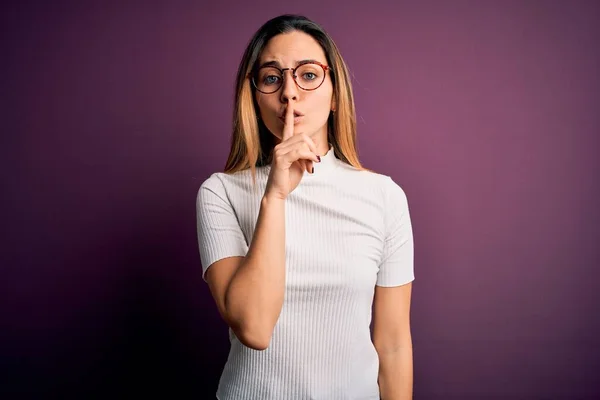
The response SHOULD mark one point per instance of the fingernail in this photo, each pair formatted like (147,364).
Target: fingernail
(319,158)
(313,170)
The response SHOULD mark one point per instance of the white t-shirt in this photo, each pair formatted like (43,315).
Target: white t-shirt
(346,231)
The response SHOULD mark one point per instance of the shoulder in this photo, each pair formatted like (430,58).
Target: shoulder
(237,185)
(215,183)
(379,184)
(226,181)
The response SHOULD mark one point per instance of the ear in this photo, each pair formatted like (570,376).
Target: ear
(333,103)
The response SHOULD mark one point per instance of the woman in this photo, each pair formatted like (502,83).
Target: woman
(298,242)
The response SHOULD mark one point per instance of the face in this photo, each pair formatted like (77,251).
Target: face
(287,51)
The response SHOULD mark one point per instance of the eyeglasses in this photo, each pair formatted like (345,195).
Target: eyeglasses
(309,75)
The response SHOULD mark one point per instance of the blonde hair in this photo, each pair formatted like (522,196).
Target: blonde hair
(251,142)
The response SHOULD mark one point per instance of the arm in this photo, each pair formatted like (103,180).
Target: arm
(249,290)
(393,342)
(391,308)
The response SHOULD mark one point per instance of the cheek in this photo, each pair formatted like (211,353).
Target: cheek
(322,105)
(266,108)
(260,104)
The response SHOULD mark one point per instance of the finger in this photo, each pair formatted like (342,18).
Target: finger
(292,142)
(307,142)
(302,142)
(288,125)
(310,167)
(311,143)
(301,137)
(301,154)
(302,164)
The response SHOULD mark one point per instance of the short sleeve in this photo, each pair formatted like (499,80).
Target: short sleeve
(397,263)
(219,232)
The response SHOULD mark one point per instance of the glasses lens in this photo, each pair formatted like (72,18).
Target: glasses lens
(268,79)
(310,76)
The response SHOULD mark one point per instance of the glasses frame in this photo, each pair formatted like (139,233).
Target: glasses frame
(251,75)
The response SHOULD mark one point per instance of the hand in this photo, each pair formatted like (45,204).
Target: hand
(294,155)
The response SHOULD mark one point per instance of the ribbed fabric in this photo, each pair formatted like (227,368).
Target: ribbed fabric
(346,231)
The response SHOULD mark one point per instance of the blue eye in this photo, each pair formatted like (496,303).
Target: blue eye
(311,77)
(271,80)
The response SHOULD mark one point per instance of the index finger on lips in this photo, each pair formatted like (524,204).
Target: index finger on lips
(288,125)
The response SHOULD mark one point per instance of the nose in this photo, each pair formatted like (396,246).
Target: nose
(289,90)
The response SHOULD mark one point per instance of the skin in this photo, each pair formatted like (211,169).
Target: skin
(393,341)
(249,290)
(287,50)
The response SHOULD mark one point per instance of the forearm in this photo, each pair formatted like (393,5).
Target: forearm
(396,374)
(254,297)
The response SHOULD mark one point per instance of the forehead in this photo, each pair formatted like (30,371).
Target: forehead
(292,47)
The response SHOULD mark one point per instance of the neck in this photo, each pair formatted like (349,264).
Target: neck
(322,143)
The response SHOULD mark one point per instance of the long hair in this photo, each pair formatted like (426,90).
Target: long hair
(251,142)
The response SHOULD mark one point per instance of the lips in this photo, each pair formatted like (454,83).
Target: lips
(297,119)
(296,114)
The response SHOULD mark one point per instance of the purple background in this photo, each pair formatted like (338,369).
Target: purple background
(486,113)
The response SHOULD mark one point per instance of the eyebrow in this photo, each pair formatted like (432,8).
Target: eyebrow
(277,64)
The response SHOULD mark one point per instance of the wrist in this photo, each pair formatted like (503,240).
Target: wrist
(271,199)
